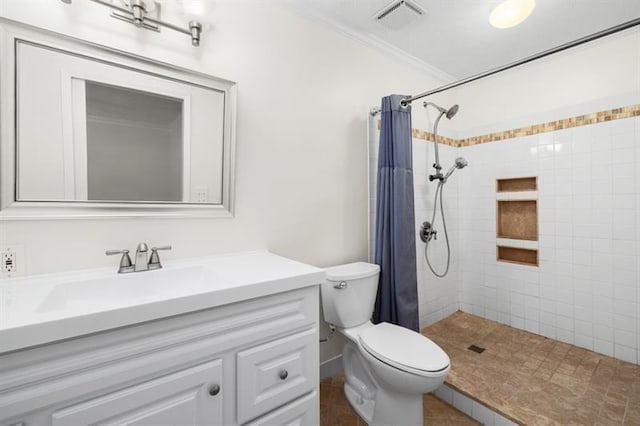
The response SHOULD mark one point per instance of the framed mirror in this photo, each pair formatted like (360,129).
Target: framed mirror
(91,131)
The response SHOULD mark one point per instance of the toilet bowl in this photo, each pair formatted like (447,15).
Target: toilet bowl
(387,367)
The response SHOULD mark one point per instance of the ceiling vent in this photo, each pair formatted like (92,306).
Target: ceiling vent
(399,14)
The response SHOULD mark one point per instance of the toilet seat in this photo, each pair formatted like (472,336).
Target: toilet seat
(404,349)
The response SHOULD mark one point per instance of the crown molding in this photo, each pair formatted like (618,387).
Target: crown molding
(301,8)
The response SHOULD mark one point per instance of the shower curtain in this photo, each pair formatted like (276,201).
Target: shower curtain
(395,246)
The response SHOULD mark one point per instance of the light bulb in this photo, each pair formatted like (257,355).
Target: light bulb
(195,9)
(510,13)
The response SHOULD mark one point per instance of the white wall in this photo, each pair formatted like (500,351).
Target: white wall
(601,74)
(587,288)
(301,172)
(304,94)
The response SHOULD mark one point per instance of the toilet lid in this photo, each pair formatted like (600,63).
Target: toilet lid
(401,347)
(352,271)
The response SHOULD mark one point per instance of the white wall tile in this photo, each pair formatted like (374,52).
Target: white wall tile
(626,353)
(603,347)
(483,414)
(587,287)
(462,403)
(503,421)
(445,393)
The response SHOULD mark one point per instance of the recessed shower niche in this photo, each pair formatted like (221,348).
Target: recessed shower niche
(517,184)
(517,220)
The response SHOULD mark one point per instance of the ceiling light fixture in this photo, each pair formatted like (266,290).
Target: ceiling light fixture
(510,13)
(146,14)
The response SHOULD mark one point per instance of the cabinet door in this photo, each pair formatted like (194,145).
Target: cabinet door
(301,412)
(186,397)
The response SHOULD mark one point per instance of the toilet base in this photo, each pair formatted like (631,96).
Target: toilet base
(364,407)
(375,403)
(387,410)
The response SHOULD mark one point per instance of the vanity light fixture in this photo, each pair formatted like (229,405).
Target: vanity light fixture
(146,14)
(510,13)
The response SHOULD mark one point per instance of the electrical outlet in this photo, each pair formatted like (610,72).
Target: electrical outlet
(12,261)
(8,261)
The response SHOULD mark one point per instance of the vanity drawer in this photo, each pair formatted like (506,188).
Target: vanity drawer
(274,373)
(301,412)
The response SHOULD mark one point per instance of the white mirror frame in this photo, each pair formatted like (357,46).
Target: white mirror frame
(10,209)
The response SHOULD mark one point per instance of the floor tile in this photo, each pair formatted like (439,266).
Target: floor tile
(536,380)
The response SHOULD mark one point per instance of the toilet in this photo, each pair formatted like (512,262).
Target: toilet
(387,368)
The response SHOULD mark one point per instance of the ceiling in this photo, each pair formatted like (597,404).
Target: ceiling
(454,38)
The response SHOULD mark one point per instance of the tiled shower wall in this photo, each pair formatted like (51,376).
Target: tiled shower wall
(437,297)
(586,290)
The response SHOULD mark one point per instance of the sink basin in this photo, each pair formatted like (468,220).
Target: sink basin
(125,289)
(41,309)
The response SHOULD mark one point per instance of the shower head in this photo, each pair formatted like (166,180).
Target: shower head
(460,162)
(453,111)
(448,112)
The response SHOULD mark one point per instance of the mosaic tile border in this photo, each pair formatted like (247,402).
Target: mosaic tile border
(428,136)
(551,126)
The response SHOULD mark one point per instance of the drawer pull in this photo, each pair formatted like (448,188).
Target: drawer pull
(283,374)
(214,390)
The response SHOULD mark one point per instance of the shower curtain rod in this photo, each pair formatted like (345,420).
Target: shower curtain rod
(560,48)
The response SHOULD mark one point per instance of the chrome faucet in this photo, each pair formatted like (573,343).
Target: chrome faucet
(141,258)
(141,263)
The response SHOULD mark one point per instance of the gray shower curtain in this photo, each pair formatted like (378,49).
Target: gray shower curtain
(395,251)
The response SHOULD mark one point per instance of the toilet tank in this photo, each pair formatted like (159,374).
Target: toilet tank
(349,293)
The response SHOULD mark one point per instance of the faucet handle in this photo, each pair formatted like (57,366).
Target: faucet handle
(125,260)
(154,260)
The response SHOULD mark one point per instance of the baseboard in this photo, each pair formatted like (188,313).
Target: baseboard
(331,367)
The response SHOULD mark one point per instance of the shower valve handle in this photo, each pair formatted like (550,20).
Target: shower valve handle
(427,232)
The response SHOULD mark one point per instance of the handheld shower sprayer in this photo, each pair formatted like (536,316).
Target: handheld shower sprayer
(427,230)
(460,163)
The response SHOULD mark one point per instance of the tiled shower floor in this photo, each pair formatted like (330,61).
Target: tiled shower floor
(535,380)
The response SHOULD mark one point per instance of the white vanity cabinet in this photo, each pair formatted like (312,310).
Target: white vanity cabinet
(250,362)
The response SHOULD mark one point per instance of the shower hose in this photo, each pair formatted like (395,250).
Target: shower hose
(444,225)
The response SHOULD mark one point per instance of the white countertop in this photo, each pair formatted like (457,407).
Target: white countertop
(41,309)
